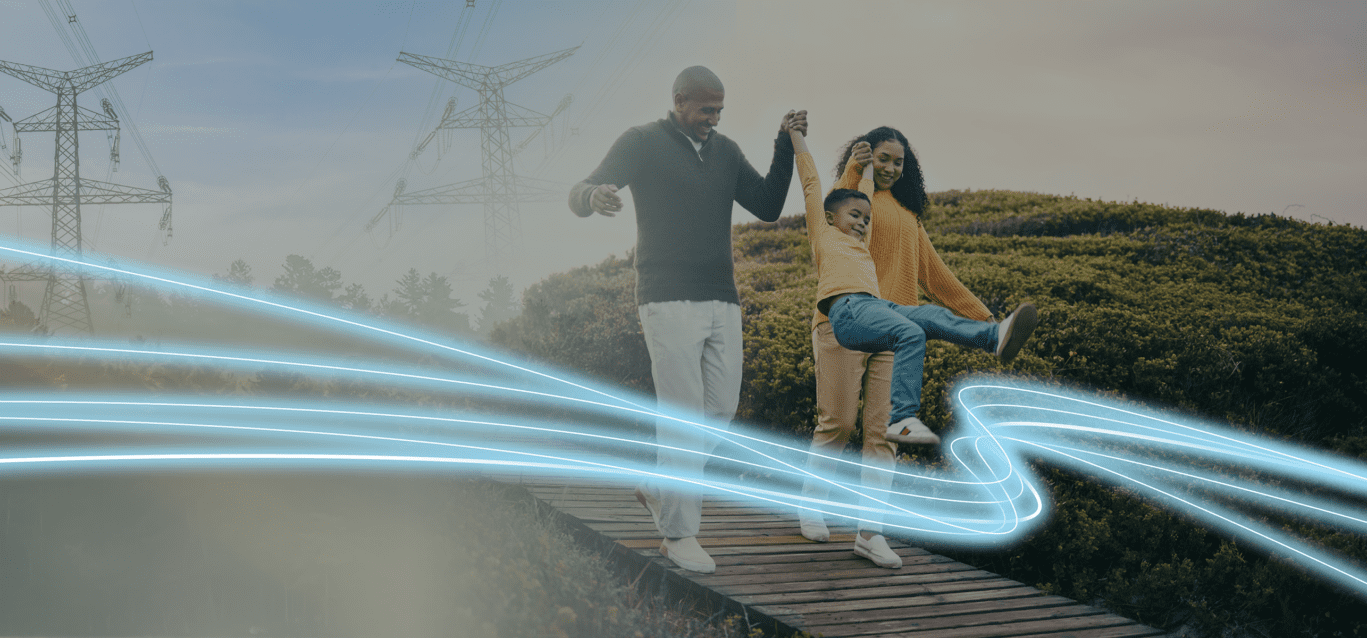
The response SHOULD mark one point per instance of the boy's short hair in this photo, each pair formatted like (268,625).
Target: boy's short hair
(839,195)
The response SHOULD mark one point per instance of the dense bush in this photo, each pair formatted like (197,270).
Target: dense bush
(1258,321)
(586,320)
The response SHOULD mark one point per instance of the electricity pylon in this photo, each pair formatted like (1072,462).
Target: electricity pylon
(64,300)
(500,189)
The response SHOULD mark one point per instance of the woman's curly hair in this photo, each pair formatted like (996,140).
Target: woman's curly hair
(910,189)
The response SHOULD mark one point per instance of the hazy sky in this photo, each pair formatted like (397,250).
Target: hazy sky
(283,126)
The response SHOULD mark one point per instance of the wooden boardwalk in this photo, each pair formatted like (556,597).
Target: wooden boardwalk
(772,576)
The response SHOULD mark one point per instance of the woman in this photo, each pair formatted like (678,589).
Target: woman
(907,265)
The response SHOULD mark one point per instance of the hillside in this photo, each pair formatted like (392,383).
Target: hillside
(1256,321)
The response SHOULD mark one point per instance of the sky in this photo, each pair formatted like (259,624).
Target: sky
(282,127)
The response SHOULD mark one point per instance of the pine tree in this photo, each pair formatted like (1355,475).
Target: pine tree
(238,273)
(499,304)
(301,278)
(355,298)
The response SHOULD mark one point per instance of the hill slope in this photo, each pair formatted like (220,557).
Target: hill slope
(1258,321)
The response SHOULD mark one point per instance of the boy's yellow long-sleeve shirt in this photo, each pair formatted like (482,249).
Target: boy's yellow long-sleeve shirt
(902,255)
(843,263)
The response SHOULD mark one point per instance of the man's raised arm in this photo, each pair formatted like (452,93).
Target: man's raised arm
(763,196)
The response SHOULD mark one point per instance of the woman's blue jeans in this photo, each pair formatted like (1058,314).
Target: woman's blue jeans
(868,324)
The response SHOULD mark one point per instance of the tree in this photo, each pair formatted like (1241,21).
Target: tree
(390,308)
(355,298)
(302,279)
(18,318)
(428,301)
(499,304)
(238,273)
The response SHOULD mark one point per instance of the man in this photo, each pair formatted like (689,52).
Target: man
(684,177)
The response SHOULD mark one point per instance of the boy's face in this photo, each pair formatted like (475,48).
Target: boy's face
(850,217)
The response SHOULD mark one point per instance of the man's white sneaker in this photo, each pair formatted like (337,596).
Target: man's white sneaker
(1014,330)
(910,430)
(876,549)
(813,528)
(651,503)
(688,554)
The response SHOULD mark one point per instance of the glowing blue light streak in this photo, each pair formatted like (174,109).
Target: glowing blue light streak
(989,497)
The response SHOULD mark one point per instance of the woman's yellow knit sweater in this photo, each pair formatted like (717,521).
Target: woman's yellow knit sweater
(906,262)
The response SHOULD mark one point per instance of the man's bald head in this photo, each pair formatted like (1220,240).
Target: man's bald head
(694,78)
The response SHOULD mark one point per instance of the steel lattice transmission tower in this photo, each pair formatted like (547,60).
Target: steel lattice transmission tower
(500,189)
(64,300)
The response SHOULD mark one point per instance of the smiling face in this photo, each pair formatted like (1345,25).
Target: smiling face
(888,157)
(698,112)
(851,217)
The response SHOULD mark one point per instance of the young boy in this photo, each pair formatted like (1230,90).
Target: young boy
(838,229)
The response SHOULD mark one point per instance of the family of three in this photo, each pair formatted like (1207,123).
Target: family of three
(873,259)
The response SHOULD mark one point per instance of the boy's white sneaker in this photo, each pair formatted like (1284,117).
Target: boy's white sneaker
(876,549)
(910,430)
(688,554)
(813,528)
(1014,330)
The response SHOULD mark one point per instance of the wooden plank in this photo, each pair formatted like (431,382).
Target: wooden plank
(1131,630)
(726,541)
(1030,628)
(832,589)
(841,562)
(626,528)
(865,569)
(639,514)
(960,621)
(708,528)
(796,547)
(618,496)
(938,605)
(835,553)
(802,603)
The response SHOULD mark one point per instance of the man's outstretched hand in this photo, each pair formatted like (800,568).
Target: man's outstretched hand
(604,200)
(794,121)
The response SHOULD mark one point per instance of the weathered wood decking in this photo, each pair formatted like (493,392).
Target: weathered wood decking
(770,574)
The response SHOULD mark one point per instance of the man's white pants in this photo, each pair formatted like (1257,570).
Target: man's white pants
(695,359)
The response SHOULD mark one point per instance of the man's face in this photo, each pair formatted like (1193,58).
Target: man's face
(699,112)
(850,217)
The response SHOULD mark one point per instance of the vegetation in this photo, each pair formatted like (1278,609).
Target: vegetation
(147,315)
(1258,321)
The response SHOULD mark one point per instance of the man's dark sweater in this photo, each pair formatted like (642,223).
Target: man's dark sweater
(683,206)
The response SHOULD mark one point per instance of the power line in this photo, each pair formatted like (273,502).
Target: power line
(64,303)
(85,55)
(650,36)
(425,125)
(457,35)
(500,188)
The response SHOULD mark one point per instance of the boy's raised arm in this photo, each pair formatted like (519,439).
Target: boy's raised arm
(811,183)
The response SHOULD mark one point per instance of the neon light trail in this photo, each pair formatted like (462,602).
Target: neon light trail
(516,418)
